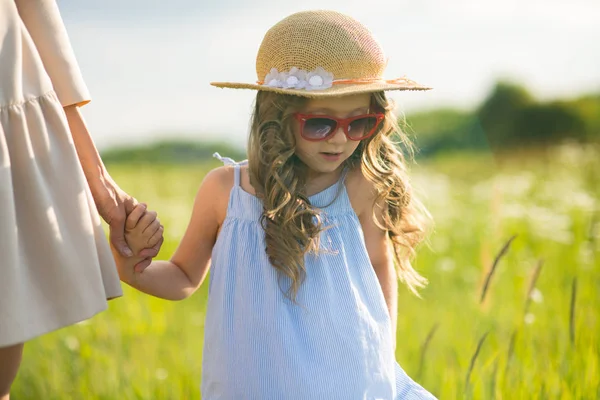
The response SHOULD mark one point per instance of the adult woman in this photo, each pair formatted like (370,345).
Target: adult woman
(55,264)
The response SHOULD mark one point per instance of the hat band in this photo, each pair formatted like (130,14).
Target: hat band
(364,80)
(318,79)
(373,80)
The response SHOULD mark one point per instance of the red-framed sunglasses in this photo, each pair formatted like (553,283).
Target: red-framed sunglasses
(316,127)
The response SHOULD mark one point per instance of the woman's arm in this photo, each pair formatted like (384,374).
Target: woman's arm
(112,203)
(46,28)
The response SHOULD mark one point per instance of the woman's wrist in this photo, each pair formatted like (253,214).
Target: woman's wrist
(101,185)
(125,266)
(97,176)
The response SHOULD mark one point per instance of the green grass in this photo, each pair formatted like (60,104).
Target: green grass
(145,348)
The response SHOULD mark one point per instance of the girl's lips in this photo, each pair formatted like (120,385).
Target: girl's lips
(331,156)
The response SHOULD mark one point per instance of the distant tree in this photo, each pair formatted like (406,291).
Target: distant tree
(588,109)
(445,129)
(498,113)
(547,123)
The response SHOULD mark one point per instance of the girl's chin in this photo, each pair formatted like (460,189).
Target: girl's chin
(320,163)
(324,167)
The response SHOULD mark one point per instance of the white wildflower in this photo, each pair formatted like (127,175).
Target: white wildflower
(72,343)
(446,264)
(536,296)
(529,318)
(161,374)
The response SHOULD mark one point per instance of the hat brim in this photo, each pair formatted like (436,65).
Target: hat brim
(334,91)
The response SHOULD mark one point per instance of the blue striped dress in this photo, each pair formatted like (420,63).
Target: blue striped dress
(336,343)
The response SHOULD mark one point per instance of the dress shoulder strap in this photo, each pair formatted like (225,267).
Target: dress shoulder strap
(236,174)
(236,167)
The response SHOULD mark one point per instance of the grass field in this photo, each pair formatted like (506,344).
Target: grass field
(535,335)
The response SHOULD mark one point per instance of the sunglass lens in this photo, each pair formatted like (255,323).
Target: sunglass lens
(318,128)
(361,127)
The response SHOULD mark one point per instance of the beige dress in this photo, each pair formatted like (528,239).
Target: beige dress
(55,263)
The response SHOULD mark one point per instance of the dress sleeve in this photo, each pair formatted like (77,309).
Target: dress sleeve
(44,23)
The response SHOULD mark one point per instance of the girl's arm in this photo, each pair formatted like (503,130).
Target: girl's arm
(378,245)
(178,278)
(382,259)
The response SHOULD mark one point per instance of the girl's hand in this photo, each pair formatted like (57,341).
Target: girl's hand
(142,229)
(126,266)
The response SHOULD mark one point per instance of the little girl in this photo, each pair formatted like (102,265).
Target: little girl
(304,237)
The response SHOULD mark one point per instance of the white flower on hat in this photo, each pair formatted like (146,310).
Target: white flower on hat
(319,79)
(274,78)
(295,79)
(299,79)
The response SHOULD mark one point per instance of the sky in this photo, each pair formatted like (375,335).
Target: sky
(148,63)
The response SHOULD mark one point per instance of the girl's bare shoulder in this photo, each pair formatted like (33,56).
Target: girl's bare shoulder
(215,189)
(220,181)
(361,191)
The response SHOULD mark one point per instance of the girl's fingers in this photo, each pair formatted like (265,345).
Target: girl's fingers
(134,217)
(151,229)
(146,220)
(153,251)
(157,236)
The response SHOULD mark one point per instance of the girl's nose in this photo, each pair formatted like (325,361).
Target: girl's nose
(339,137)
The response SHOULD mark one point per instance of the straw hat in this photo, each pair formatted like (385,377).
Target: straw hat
(321,54)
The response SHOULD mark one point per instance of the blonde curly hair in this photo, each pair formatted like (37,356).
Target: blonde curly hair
(291,223)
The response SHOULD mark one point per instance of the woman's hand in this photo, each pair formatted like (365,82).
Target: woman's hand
(114,206)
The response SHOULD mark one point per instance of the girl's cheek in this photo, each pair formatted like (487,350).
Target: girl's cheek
(302,149)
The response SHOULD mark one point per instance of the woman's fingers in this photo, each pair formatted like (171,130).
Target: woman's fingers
(117,233)
(130,204)
(142,265)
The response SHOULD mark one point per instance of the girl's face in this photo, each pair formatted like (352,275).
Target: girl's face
(327,155)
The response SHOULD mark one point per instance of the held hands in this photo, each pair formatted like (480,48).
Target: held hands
(114,206)
(142,229)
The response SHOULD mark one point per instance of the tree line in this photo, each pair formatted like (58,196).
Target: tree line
(509,117)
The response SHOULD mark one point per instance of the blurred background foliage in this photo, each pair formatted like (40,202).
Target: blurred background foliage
(509,118)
